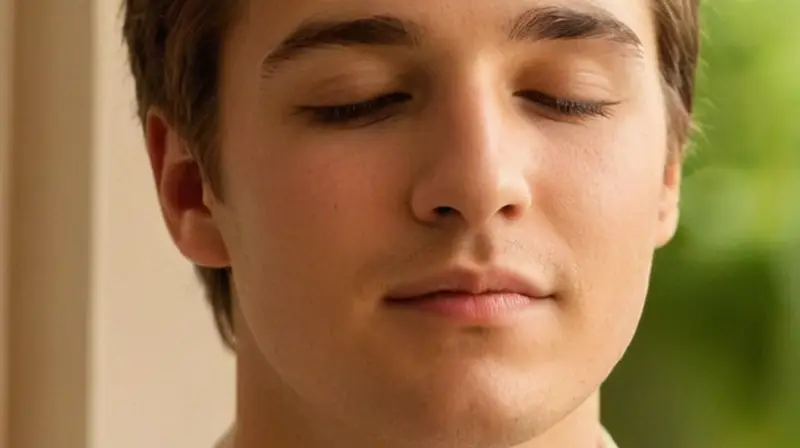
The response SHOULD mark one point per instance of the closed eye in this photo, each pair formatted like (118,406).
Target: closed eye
(382,107)
(567,107)
(369,111)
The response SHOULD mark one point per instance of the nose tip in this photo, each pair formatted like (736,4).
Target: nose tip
(465,198)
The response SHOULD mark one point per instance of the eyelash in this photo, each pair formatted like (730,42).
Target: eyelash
(346,113)
(570,108)
(349,113)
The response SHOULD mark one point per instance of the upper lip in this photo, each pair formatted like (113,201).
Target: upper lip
(470,281)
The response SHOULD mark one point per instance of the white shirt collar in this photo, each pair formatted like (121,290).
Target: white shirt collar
(227,440)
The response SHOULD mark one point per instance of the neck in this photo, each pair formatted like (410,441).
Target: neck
(270,415)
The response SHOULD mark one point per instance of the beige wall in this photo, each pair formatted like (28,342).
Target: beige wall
(6,33)
(111,345)
(50,227)
(161,377)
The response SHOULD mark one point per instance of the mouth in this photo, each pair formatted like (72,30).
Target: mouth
(470,297)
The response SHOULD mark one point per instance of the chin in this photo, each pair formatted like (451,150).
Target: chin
(482,425)
(483,409)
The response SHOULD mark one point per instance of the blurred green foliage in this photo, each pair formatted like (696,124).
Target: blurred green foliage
(716,363)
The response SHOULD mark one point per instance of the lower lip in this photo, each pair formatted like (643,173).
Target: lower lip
(470,308)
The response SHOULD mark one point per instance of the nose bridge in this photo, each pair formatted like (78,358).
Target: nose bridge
(471,123)
(474,169)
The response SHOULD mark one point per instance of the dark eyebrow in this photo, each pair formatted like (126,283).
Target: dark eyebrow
(376,30)
(542,23)
(562,23)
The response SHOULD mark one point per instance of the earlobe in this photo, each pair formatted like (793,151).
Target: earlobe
(182,195)
(669,206)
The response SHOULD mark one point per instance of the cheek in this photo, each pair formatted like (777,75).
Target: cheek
(319,196)
(306,211)
(309,218)
(602,202)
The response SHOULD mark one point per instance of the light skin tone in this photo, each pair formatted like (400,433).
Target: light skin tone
(501,138)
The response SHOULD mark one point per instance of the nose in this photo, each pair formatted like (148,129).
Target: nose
(475,168)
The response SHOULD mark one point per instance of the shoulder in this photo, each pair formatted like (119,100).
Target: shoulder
(607,442)
(225,441)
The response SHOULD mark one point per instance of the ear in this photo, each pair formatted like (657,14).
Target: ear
(669,202)
(183,195)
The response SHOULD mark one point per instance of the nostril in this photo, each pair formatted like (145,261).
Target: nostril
(512,211)
(444,211)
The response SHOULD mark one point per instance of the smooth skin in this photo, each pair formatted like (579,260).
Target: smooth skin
(484,149)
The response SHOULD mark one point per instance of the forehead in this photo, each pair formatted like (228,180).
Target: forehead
(265,23)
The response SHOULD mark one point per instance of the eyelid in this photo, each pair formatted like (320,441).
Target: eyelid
(344,78)
(569,107)
(370,111)
(344,92)
(566,83)
(388,98)
(385,106)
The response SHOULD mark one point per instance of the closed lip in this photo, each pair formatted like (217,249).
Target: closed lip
(473,282)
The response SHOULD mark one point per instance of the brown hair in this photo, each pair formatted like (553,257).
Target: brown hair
(175,51)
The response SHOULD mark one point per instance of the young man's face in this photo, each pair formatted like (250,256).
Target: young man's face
(509,139)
